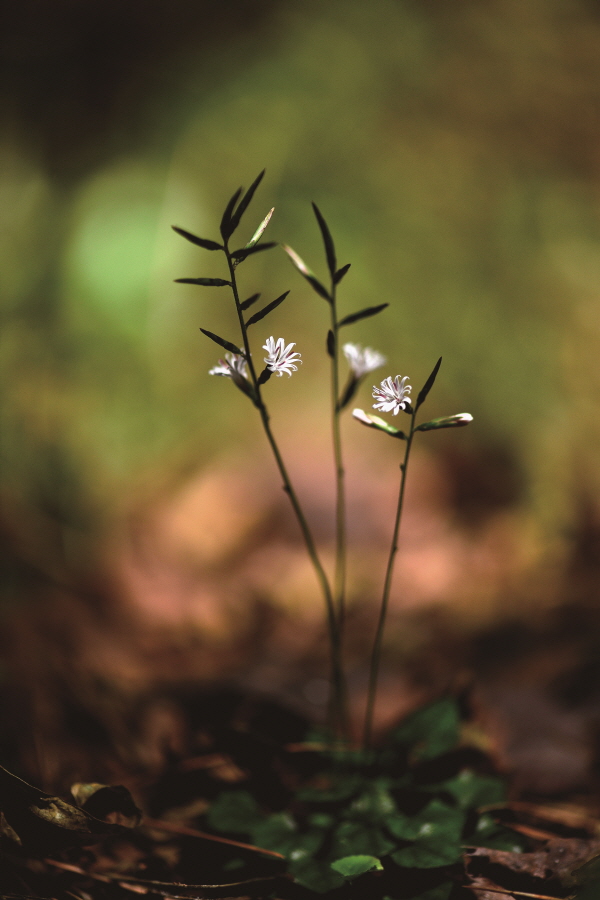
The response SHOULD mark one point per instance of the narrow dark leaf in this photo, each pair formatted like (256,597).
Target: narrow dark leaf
(340,273)
(306,272)
(349,392)
(327,240)
(225,227)
(264,376)
(245,386)
(266,310)
(222,342)
(318,287)
(248,303)
(363,314)
(200,242)
(245,202)
(428,384)
(457,421)
(206,282)
(248,251)
(331,343)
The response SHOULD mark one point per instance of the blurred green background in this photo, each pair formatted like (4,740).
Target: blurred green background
(455,151)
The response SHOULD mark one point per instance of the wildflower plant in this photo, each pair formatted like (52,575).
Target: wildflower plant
(393,396)
(342,828)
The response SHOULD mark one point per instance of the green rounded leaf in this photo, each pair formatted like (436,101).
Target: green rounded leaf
(471,790)
(352,866)
(436,832)
(429,731)
(313,874)
(234,811)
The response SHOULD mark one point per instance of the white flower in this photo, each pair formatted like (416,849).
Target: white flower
(393,395)
(280,358)
(233,364)
(362,361)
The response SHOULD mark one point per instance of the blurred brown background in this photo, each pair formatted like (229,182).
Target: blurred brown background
(145,545)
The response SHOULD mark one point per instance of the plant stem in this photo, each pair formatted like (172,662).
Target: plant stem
(337,722)
(376,651)
(340,507)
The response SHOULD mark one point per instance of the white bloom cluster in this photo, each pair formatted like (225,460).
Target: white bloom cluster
(233,364)
(393,395)
(280,358)
(361,361)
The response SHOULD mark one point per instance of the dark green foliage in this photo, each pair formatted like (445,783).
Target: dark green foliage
(471,790)
(363,314)
(200,242)
(434,834)
(428,384)
(266,309)
(410,805)
(430,731)
(351,866)
(235,811)
(227,345)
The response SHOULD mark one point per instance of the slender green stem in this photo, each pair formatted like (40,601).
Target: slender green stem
(336,705)
(376,651)
(340,505)
(340,510)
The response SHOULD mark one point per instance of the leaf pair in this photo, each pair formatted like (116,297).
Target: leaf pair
(232,215)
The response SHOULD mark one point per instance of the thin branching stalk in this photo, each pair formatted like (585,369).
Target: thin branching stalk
(376,651)
(337,718)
